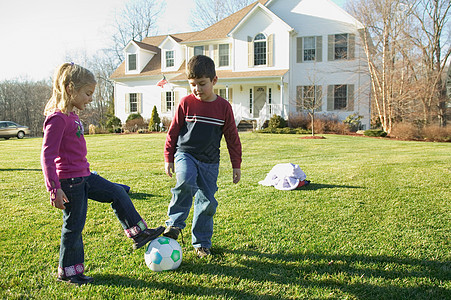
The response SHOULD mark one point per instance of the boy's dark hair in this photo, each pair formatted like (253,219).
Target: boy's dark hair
(200,66)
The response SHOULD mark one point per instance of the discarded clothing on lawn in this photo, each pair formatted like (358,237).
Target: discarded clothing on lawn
(285,177)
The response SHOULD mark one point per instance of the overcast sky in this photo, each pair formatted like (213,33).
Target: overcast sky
(37,35)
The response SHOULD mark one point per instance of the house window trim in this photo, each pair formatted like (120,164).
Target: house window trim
(223,56)
(198,47)
(305,49)
(317,97)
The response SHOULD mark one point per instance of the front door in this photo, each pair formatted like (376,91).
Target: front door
(259,100)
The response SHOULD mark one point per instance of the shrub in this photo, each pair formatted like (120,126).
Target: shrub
(353,122)
(154,122)
(405,131)
(134,117)
(375,132)
(135,122)
(434,133)
(113,122)
(299,120)
(277,122)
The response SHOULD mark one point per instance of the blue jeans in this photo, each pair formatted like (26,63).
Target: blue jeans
(194,179)
(78,190)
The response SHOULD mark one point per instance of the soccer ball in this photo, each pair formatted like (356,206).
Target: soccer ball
(163,254)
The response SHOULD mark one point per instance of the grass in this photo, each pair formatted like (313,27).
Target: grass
(373,224)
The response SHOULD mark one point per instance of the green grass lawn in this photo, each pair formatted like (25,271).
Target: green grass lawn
(373,224)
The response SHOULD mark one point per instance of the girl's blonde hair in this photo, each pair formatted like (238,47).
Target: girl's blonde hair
(68,76)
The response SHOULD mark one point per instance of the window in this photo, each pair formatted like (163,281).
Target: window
(260,50)
(169,101)
(251,100)
(223,55)
(309,98)
(340,97)
(169,59)
(133,103)
(341,46)
(270,100)
(199,50)
(309,48)
(132,62)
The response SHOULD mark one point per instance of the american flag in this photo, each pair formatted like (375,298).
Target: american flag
(162,82)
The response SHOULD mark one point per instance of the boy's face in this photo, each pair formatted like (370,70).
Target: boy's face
(202,88)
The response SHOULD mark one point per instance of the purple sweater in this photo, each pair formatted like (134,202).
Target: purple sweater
(64,151)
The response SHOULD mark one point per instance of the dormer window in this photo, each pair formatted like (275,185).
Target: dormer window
(132,62)
(170,59)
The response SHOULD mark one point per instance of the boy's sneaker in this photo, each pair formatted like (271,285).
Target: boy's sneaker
(202,252)
(146,236)
(172,232)
(78,279)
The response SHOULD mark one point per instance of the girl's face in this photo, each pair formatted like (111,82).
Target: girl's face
(83,96)
(202,88)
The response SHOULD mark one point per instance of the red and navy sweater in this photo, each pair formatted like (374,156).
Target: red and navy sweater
(197,129)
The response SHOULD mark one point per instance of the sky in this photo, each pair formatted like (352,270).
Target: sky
(38,35)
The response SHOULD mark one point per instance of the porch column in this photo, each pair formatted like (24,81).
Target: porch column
(227,92)
(281,98)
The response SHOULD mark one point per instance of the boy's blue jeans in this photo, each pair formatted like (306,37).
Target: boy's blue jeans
(194,179)
(78,190)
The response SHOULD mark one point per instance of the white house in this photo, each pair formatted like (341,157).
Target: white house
(270,57)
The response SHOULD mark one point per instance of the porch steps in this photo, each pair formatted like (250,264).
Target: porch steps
(246,125)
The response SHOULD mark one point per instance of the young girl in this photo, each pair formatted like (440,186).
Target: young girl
(68,178)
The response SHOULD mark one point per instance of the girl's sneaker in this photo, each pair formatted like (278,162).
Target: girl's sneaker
(78,279)
(146,236)
(202,252)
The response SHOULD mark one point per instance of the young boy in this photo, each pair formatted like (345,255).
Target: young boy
(192,151)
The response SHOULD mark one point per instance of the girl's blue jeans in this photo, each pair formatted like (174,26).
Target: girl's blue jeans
(78,190)
(194,179)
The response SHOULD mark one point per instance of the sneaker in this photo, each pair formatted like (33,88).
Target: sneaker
(78,279)
(172,232)
(202,252)
(146,236)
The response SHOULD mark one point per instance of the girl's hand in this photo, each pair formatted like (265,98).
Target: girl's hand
(58,199)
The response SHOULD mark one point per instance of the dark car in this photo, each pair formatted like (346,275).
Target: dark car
(10,129)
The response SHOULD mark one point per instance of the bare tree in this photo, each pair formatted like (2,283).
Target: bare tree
(137,21)
(383,40)
(23,102)
(209,12)
(432,38)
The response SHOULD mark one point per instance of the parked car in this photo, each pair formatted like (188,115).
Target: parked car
(10,129)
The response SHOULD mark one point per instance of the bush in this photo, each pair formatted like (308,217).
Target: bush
(434,133)
(353,122)
(113,122)
(277,122)
(375,132)
(154,122)
(405,131)
(134,123)
(299,120)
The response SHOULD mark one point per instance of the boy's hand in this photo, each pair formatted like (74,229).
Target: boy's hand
(58,199)
(169,168)
(236,175)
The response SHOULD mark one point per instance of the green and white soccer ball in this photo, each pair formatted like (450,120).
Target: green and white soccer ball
(163,254)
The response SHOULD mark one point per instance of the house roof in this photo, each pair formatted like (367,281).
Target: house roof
(221,29)
(229,74)
(217,31)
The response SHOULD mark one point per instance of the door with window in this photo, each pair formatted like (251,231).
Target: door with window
(259,100)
